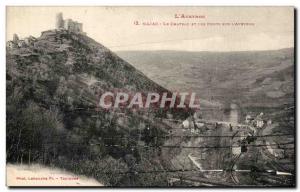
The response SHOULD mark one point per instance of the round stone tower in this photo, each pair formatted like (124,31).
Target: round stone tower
(59,21)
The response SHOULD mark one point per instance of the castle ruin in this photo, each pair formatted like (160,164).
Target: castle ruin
(68,24)
(61,24)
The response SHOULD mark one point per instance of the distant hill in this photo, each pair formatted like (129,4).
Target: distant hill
(248,78)
(257,81)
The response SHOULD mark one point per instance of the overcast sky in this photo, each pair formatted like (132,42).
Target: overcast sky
(114,27)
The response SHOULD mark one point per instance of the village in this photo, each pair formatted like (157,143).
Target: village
(247,131)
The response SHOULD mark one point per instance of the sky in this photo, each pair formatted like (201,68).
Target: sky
(269,28)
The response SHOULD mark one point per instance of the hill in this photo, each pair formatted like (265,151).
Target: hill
(256,81)
(222,76)
(53,84)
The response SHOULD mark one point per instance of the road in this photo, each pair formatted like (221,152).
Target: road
(281,175)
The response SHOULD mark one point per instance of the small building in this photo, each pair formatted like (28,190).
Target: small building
(236,150)
(203,156)
(197,115)
(259,123)
(169,115)
(11,44)
(30,40)
(186,124)
(249,119)
(199,124)
(22,43)
(192,124)
(277,153)
(269,122)
(195,130)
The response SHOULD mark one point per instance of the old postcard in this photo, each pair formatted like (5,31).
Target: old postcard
(150,96)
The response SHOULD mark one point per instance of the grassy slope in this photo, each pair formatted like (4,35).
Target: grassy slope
(52,89)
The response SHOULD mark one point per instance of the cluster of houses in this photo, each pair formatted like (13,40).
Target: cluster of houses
(21,43)
(257,121)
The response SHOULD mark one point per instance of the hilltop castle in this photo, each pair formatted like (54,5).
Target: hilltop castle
(68,24)
(61,24)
